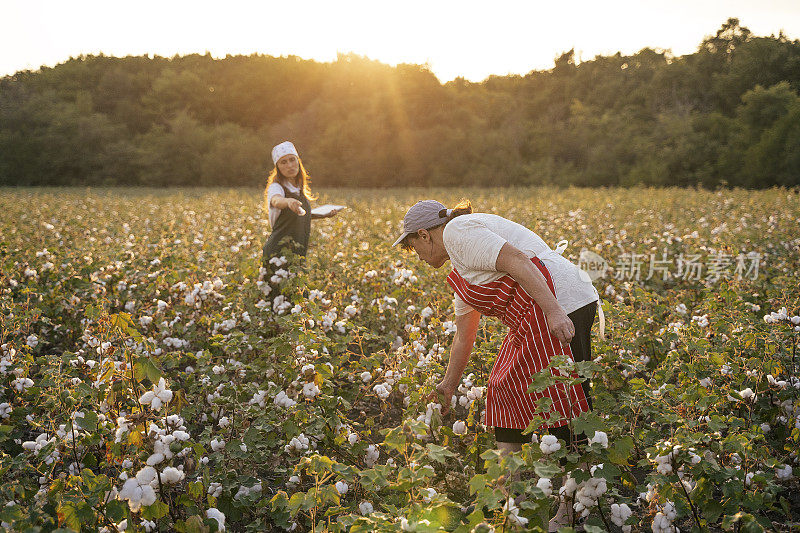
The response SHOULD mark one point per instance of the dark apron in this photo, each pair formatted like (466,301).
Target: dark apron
(290,231)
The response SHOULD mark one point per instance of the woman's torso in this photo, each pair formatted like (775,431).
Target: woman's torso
(473,259)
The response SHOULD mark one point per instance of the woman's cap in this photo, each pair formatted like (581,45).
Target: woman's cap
(284,148)
(426,214)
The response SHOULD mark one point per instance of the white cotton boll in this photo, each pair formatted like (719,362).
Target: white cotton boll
(383,390)
(122,526)
(746,393)
(600,438)
(513,514)
(765,428)
(784,472)
(459,427)
(705,382)
(620,513)
(371,456)
(218,369)
(155,459)
(310,390)
(352,438)
(662,524)
(224,422)
(669,511)
(217,445)
(546,485)
(215,490)
(549,444)
(217,515)
(365,508)
(171,475)
(146,475)
(341,487)
(283,400)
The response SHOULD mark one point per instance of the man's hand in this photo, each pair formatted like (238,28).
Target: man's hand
(561,327)
(442,395)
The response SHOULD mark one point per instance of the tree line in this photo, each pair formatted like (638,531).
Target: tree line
(726,115)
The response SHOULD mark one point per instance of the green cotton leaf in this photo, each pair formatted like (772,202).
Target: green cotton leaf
(144,368)
(320,464)
(587,423)
(373,479)
(194,524)
(279,501)
(541,381)
(88,422)
(116,510)
(195,490)
(592,529)
(439,453)
(395,439)
(621,450)
(296,502)
(155,511)
(548,470)
(477,483)
(76,513)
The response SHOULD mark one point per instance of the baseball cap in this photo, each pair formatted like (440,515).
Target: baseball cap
(426,214)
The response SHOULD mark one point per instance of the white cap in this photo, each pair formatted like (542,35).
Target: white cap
(284,148)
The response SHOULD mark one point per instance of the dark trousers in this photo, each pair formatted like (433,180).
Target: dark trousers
(581,346)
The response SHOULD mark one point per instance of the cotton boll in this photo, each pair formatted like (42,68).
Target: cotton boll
(600,438)
(546,485)
(310,390)
(365,508)
(784,473)
(459,427)
(549,444)
(217,515)
(171,475)
(341,487)
(155,459)
(620,513)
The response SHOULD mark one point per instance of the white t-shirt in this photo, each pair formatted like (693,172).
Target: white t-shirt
(276,189)
(473,243)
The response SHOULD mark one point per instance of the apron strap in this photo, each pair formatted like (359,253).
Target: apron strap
(602,323)
(561,246)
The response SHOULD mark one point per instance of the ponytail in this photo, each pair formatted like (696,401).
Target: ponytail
(464,207)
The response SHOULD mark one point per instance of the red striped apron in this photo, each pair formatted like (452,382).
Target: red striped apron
(527,349)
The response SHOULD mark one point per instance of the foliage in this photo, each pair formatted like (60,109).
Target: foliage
(724,115)
(149,382)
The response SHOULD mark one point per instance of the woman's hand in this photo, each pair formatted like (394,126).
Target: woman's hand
(560,325)
(295,205)
(516,263)
(442,395)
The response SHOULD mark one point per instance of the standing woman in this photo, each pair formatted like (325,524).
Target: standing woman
(503,269)
(287,198)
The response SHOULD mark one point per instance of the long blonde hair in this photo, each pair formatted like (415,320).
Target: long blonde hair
(275,175)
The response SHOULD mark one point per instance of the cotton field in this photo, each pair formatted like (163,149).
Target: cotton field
(153,379)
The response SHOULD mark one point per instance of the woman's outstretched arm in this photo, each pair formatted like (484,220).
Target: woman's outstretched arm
(466,331)
(519,266)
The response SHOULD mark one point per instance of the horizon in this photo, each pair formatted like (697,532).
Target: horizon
(444,39)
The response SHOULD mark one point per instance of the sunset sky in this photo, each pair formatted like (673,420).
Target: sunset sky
(456,38)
